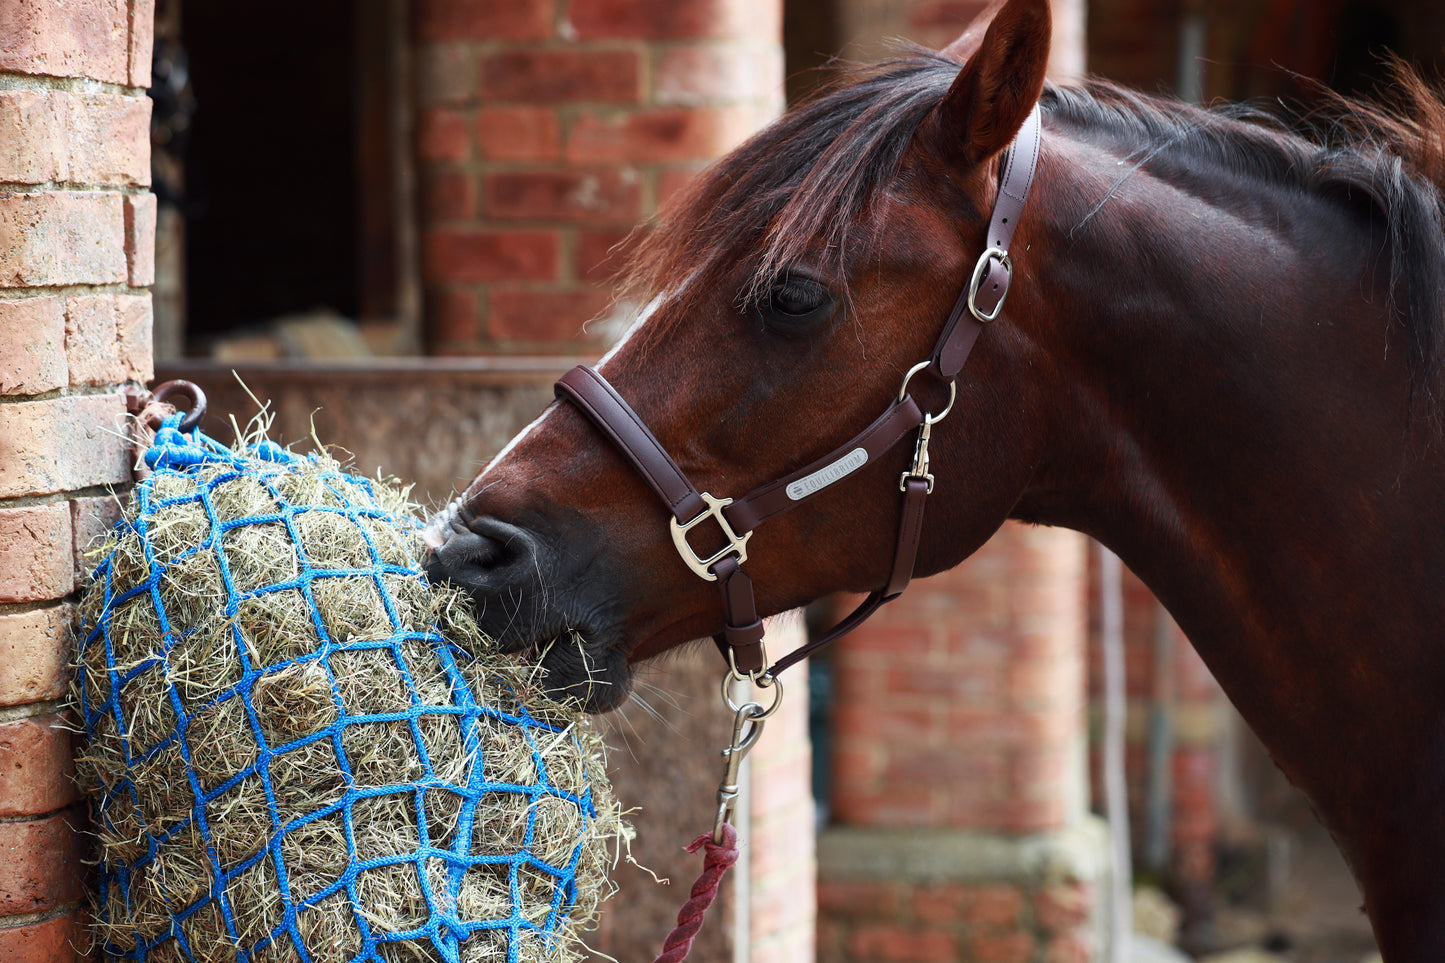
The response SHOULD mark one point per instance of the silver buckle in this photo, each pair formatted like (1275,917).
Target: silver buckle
(736,544)
(980,271)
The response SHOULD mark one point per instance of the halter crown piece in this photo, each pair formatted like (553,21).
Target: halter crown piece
(741,641)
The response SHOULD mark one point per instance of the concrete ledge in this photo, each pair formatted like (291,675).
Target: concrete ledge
(1075,853)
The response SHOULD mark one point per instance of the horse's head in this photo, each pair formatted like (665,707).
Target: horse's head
(789,291)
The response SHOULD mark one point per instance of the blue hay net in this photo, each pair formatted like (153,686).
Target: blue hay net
(186,865)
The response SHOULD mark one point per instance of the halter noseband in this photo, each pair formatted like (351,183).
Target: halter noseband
(742,639)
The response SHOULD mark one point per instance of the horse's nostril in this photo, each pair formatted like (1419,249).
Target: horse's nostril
(487,555)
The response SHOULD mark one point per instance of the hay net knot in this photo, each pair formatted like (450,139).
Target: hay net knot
(288,761)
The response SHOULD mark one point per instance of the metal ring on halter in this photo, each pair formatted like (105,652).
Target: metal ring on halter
(775,684)
(952,393)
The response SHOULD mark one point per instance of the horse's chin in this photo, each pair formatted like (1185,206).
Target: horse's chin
(579,671)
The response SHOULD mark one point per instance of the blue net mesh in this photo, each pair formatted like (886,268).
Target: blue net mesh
(288,762)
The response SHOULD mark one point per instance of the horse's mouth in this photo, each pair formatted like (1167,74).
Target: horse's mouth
(577,669)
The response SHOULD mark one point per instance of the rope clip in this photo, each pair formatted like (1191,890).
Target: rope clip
(747,728)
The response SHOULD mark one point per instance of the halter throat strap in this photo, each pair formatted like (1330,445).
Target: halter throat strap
(981,301)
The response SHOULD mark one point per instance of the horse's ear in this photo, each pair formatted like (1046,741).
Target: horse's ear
(997,86)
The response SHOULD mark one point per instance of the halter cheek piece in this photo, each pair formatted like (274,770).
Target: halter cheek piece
(742,639)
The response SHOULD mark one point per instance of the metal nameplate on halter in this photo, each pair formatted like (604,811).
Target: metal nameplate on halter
(827,475)
(737,545)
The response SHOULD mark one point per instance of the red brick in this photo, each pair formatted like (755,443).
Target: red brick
(32,346)
(891,943)
(600,254)
(107,338)
(1001,948)
(673,178)
(859,899)
(446,74)
(33,130)
(87,38)
(40,863)
(519,133)
(478,254)
(991,906)
(34,654)
(36,564)
(61,237)
(452,316)
(60,939)
(1076,947)
(574,196)
(779,910)
(952,15)
(62,444)
(675,19)
(448,196)
(441,20)
(91,520)
(37,771)
(567,75)
(135,325)
(660,134)
(887,806)
(80,138)
(543,316)
(142,41)
(443,135)
(1039,772)
(915,727)
(140,239)
(705,73)
(919,682)
(91,339)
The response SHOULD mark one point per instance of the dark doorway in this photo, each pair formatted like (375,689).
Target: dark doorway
(271,192)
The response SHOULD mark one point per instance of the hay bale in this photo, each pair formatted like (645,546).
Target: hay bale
(296,744)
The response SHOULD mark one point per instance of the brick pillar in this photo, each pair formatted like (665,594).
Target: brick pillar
(546,130)
(76,241)
(1178,721)
(780,817)
(960,758)
(959,787)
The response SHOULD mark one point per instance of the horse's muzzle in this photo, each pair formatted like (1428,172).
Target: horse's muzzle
(503,567)
(487,556)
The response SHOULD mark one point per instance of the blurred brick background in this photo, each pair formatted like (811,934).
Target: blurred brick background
(447,178)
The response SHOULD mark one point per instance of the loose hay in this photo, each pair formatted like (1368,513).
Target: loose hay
(297,749)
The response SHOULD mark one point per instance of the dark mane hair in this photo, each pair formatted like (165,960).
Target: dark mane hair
(804,182)
(1390,155)
(801,182)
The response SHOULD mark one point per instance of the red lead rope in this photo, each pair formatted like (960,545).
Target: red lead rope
(718,858)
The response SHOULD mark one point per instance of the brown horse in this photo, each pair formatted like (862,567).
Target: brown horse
(1221,357)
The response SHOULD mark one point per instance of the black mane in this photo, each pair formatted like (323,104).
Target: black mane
(1348,150)
(802,183)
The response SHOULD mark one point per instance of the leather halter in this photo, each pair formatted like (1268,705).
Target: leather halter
(742,640)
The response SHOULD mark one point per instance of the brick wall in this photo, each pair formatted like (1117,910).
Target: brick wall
(959,788)
(547,130)
(76,253)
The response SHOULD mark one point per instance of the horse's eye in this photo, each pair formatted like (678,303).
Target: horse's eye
(795,303)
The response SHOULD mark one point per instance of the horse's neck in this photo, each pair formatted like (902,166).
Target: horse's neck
(1243,436)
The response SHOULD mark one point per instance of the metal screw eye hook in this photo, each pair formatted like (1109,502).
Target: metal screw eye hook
(185,389)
